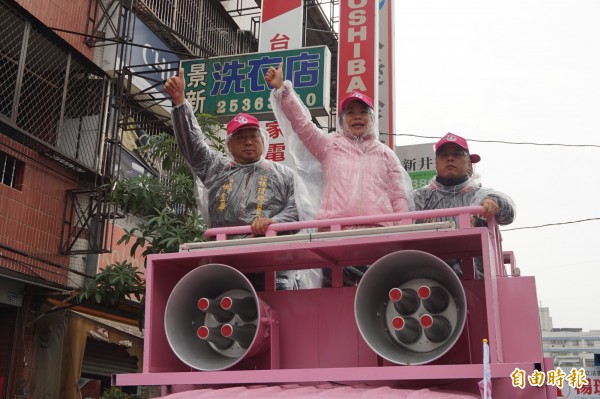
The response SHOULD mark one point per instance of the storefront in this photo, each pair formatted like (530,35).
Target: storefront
(74,351)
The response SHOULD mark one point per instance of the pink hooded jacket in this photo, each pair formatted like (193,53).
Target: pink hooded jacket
(361,176)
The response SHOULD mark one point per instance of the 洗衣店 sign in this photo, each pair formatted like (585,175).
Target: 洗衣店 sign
(225,86)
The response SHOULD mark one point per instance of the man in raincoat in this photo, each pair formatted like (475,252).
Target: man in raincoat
(242,188)
(456,185)
(453,186)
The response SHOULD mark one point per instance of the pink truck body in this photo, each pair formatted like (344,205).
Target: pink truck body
(311,336)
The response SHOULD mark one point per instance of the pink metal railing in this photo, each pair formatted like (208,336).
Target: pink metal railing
(463,214)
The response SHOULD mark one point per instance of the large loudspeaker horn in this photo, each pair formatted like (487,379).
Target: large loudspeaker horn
(214,318)
(410,307)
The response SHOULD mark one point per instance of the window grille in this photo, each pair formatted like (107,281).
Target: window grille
(11,171)
(202,26)
(49,91)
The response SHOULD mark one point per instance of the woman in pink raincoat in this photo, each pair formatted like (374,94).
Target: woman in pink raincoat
(348,173)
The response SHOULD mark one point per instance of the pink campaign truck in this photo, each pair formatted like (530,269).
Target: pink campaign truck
(409,328)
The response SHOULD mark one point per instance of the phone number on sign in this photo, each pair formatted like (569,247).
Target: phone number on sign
(257,104)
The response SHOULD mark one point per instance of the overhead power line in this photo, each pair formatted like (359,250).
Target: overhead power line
(551,224)
(503,142)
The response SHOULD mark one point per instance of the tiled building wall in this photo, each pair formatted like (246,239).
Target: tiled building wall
(31,216)
(71,15)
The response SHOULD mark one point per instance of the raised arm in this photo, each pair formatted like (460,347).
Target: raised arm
(188,134)
(174,87)
(286,104)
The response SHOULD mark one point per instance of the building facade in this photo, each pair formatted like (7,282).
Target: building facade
(569,347)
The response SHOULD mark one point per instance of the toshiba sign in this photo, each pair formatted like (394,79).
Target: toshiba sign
(358,45)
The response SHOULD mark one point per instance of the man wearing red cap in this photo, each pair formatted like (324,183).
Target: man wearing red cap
(242,189)
(455,185)
(357,174)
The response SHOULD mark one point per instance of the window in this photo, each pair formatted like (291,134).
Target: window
(11,171)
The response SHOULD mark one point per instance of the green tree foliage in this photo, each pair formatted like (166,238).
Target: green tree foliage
(166,203)
(114,283)
(116,393)
(166,207)
(210,126)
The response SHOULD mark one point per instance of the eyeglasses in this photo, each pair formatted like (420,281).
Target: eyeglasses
(242,138)
(453,154)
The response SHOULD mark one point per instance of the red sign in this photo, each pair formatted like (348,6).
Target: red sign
(273,129)
(357,59)
(279,42)
(276,152)
(274,8)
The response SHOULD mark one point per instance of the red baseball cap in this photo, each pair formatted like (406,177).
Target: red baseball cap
(459,141)
(357,96)
(240,121)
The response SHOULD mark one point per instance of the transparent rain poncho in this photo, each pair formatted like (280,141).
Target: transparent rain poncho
(233,194)
(435,195)
(339,175)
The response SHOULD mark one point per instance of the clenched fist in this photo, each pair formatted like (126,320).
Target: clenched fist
(174,88)
(274,77)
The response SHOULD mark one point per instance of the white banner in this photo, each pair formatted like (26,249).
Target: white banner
(280,29)
(281,25)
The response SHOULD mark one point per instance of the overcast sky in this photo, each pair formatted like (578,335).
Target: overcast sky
(517,71)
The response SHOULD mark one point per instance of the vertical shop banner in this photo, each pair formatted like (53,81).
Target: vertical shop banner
(225,86)
(358,48)
(280,29)
(280,25)
(277,151)
(386,72)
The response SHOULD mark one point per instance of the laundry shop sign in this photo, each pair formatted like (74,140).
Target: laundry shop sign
(225,86)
